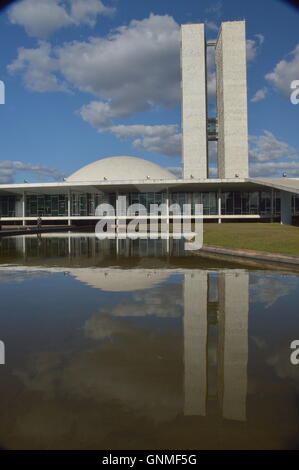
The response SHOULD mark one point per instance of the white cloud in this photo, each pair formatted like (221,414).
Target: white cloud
(271,169)
(211,73)
(10,168)
(260,95)
(99,114)
(39,17)
(253,45)
(133,69)
(270,156)
(86,11)
(136,68)
(38,68)
(176,170)
(285,72)
(212,26)
(267,147)
(163,139)
(42,17)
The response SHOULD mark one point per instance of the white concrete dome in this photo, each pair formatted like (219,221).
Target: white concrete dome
(120,168)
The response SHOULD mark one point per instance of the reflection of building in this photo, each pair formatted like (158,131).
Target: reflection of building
(216,342)
(214,305)
(230,195)
(88,246)
(195,342)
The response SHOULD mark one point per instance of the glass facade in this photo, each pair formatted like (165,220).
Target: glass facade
(295,205)
(250,203)
(146,199)
(8,206)
(50,205)
(207,199)
(85,204)
(264,203)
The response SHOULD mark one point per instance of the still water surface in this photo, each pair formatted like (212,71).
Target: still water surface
(128,345)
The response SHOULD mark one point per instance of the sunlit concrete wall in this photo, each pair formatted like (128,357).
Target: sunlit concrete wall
(194,101)
(232,100)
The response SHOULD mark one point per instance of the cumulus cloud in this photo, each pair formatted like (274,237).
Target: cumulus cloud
(39,17)
(270,156)
(284,73)
(10,168)
(42,17)
(163,139)
(267,147)
(271,169)
(253,45)
(86,11)
(38,67)
(260,95)
(135,68)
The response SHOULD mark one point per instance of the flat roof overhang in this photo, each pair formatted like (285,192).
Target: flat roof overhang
(290,185)
(151,185)
(132,185)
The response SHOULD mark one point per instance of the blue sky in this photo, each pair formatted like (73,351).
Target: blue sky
(89,79)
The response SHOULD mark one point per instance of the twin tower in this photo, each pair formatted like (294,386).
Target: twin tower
(229,128)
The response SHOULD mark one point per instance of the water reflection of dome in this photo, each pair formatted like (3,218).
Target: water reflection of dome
(120,280)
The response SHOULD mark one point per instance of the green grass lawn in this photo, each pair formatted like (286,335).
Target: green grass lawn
(274,238)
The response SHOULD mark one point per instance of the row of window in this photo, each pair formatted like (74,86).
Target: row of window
(84,204)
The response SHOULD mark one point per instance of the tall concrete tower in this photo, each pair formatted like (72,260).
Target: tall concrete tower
(194,101)
(231,131)
(232,101)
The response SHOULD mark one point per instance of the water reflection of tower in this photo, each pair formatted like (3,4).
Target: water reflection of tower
(216,343)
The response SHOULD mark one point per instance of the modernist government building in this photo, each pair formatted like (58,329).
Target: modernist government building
(233,195)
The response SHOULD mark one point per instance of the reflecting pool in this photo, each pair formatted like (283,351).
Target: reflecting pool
(132,345)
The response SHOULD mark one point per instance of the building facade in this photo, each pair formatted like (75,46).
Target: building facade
(233,195)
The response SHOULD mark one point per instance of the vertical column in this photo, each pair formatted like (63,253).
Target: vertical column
(286,207)
(219,206)
(167,221)
(69,207)
(195,342)
(23,208)
(194,101)
(232,101)
(69,244)
(234,299)
(120,215)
